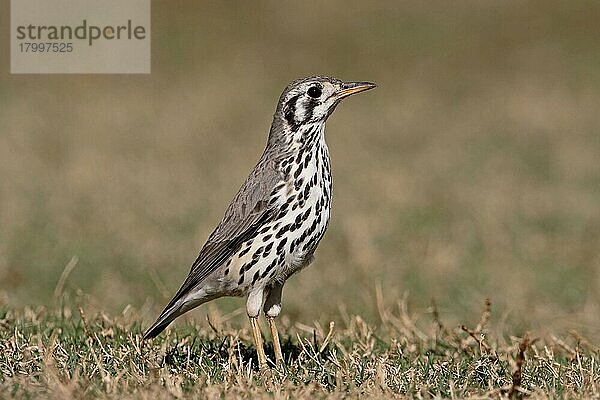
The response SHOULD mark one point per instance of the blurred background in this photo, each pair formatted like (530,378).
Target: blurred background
(473,170)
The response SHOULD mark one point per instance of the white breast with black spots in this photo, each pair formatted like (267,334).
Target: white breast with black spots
(309,207)
(302,204)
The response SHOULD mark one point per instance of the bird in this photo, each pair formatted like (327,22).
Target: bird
(275,222)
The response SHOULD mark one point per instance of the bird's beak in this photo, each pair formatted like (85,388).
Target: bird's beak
(350,88)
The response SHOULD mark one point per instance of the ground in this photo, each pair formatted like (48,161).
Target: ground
(54,355)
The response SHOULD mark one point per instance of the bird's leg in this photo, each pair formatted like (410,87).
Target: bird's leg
(272,308)
(276,344)
(253,305)
(260,351)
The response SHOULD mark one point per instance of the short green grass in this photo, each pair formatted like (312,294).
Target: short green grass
(52,354)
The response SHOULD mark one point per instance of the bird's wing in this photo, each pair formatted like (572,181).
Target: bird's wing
(247,213)
(249,210)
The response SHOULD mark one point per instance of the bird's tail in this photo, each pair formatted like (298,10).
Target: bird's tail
(184,300)
(179,304)
(163,320)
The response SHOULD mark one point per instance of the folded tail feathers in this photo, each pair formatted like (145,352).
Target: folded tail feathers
(165,318)
(179,304)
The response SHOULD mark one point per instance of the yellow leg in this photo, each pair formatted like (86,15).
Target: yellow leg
(276,344)
(260,351)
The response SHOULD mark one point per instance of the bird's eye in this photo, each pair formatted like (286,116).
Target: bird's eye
(314,91)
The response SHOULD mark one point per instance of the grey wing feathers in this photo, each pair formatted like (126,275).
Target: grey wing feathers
(248,211)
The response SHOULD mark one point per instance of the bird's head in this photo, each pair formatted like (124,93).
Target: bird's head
(312,100)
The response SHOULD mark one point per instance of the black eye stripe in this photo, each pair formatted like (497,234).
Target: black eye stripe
(290,112)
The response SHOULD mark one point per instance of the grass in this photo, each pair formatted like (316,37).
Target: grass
(53,354)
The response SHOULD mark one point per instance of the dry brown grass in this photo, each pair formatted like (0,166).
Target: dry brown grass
(53,355)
